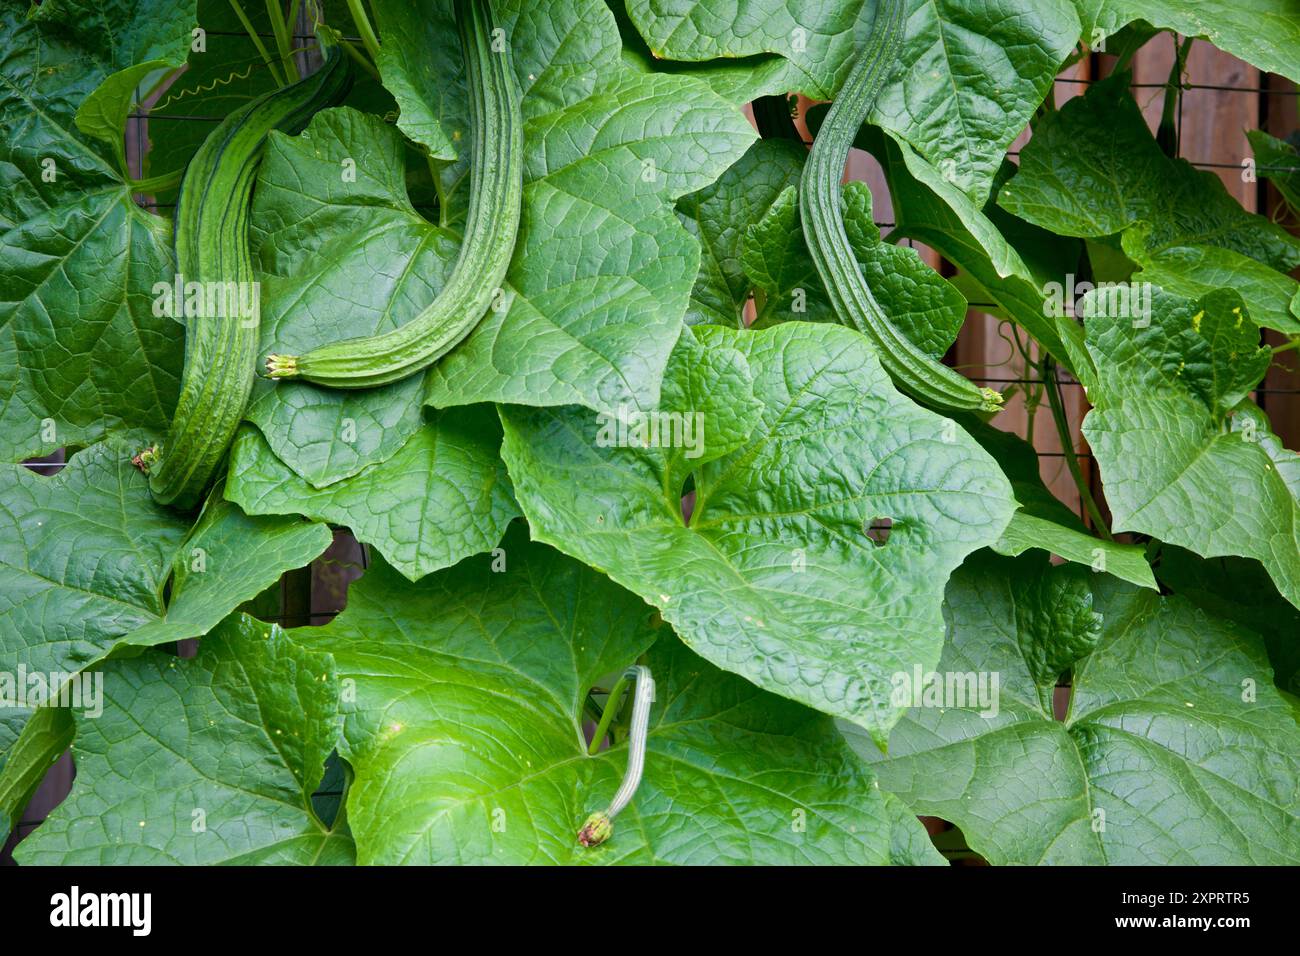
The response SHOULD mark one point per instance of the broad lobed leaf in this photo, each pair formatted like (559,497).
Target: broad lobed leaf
(776,576)
(204,761)
(82,353)
(86,553)
(1178,222)
(444,494)
(467,741)
(1176,748)
(1173,431)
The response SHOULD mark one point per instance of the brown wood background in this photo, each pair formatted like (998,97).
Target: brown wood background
(1225,98)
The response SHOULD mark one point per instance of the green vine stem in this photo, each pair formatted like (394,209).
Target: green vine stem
(154,184)
(612,705)
(283,42)
(359,58)
(1033,392)
(257,42)
(1123,61)
(1167,133)
(1047,372)
(364,29)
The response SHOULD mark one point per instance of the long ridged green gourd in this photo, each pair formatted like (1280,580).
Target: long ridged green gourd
(912,370)
(211,238)
(492,225)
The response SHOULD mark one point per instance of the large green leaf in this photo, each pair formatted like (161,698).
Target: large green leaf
(1125,561)
(116,35)
(413,34)
(467,741)
(1265,33)
(740,80)
(123,44)
(204,761)
(1193,271)
(718,215)
(444,495)
(227,558)
(817,41)
(1185,457)
(1176,749)
(1278,161)
(81,352)
(775,576)
(1126,178)
(967,79)
(776,262)
(1239,590)
(30,742)
(971,75)
(340,259)
(1182,224)
(85,555)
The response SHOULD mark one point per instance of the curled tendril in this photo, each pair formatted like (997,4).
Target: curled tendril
(204,88)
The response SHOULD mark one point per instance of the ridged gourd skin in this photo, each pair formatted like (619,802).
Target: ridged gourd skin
(211,241)
(912,370)
(491,228)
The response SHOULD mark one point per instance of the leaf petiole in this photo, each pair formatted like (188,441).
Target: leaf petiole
(613,703)
(257,42)
(359,58)
(153,184)
(282,42)
(1053,387)
(364,28)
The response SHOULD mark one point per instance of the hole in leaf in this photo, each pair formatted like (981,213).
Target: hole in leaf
(877,529)
(688,506)
(50,464)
